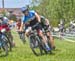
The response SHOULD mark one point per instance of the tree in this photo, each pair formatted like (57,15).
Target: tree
(56,10)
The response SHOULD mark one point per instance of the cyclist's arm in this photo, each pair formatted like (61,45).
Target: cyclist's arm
(38,17)
(22,25)
(16,26)
(47,21)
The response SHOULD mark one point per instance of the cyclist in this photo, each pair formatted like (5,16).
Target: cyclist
(5,24)
(71,25)
(61,28)
(46,26)
(21,34)
(31,18)
(18,25)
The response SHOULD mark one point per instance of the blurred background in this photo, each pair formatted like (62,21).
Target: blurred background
(54,10)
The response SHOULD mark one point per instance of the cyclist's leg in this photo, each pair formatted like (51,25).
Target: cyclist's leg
(51,39)
(20,35)
(11,38)
(39,30)
(27,30)
(10,35)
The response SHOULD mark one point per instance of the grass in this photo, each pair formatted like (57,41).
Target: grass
(65,51)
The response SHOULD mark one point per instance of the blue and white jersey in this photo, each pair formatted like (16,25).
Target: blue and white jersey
(28,18)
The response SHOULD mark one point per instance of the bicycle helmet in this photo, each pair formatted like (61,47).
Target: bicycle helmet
(23,9)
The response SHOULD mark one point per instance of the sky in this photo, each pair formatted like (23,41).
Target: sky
(15,3)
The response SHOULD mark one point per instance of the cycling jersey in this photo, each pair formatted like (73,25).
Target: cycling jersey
(4,24)
(18,24)
(43,22)
(31,20)
(28,18)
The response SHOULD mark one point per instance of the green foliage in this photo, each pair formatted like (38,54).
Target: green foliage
(56,10)
(4,13)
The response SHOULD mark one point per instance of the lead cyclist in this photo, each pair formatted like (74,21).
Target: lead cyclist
(46,26)
(31,18)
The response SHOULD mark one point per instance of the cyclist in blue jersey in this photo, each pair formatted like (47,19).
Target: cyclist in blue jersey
(31,18)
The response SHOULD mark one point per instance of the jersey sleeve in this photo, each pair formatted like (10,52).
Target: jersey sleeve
(33,11)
